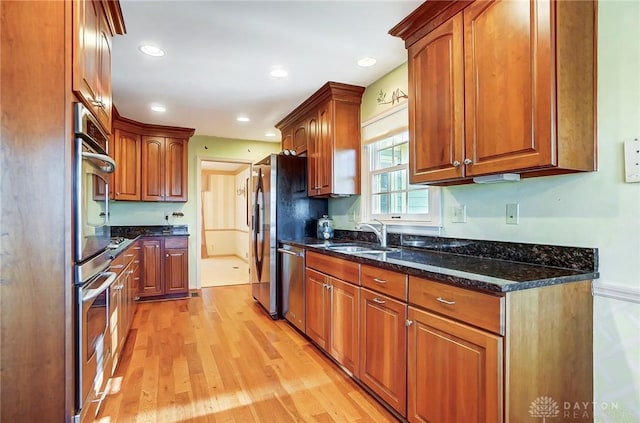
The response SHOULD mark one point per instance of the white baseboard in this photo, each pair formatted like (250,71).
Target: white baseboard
(618,292)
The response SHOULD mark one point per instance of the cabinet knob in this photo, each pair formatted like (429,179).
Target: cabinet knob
(408,323)
(467,161)
(456,163)
(167,255)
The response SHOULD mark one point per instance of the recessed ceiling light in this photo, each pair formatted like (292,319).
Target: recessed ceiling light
(270,134)
(365,62)
(152,50)
(242,119)
(279,73)
(158,108)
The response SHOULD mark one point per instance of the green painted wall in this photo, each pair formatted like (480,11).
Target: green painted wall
(397,79)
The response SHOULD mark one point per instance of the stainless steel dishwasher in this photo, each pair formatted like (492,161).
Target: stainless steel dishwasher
(292,283)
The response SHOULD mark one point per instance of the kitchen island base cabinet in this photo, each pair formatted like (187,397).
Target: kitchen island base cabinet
(165,264)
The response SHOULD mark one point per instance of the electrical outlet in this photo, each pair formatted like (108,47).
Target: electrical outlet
(513,214)
(459,214)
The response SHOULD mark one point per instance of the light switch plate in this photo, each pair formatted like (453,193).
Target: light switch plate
(459,214)
(513,214)
(632,160)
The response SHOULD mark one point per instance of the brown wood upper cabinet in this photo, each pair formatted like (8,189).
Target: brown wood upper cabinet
(95,23)
(151,161)
(327,128)
(499,87)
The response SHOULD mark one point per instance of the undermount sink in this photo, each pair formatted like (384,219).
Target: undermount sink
(359,249)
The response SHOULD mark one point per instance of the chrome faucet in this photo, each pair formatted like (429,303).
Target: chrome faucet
(381,234)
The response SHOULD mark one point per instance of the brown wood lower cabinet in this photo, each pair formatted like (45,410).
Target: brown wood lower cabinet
(332,308)
(454,371)
(123,294)
(165,263)
(440,353)
(383,347)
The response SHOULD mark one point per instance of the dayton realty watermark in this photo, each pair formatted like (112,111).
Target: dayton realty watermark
(546,407)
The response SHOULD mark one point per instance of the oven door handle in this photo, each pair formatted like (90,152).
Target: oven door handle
(110,163)
(90,294)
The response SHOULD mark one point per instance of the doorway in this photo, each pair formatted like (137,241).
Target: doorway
(224,223)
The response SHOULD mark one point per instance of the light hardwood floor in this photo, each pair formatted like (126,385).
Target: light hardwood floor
(219,358)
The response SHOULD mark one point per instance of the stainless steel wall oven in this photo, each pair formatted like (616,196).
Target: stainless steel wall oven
(91,237)
(91,186)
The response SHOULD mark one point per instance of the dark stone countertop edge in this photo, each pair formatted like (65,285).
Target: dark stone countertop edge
(135,231)
(451,276)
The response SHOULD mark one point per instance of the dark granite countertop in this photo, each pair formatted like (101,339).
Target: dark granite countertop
(484,265)
(135,231)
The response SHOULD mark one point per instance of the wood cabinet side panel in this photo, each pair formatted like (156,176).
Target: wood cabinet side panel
(576,82)
(549,344)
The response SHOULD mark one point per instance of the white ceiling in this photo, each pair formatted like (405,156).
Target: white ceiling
(219,55)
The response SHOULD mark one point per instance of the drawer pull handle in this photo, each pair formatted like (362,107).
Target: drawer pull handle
(378,301)
(379,280)
(442,300)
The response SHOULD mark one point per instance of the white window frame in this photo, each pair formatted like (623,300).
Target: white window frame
(384,125)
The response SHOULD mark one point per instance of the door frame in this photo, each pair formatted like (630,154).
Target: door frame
(198,240)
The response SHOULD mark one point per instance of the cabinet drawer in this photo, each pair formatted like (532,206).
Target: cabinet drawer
(118,264)
(338,268)
(482,310)
(176,242)
(385,281)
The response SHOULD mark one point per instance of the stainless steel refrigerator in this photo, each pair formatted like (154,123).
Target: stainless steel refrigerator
(281,210)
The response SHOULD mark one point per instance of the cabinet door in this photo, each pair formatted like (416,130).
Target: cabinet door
(151,273)
(115,326)
(316,307)
(383,360)
(300,133)
(176,271)
(127,176)
(324,152)
(436,104)
(454,371)
(508,86)
(175,182)
(153,173)
(103,102)
(312,156)
(287,138)
(344,324)
(86,19)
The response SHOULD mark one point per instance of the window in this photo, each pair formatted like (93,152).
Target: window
(388,195)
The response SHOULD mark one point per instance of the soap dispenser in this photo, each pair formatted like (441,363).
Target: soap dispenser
(325,227)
